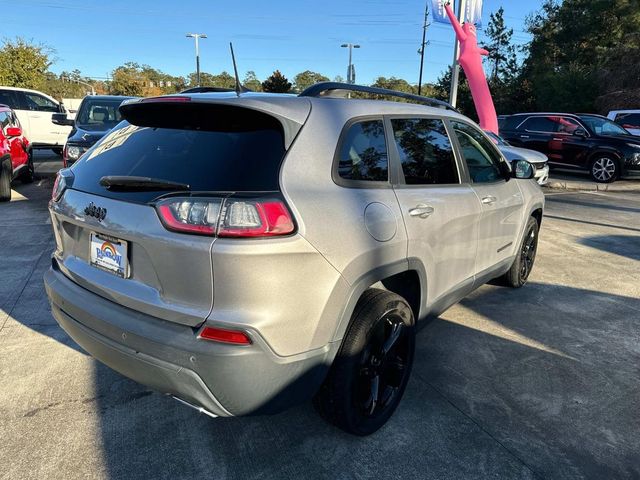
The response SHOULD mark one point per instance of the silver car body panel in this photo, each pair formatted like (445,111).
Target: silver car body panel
(295,295)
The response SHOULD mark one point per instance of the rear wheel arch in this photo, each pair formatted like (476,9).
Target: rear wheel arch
(406,280)
(537,214)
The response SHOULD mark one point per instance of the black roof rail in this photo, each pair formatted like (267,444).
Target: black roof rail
(319,89)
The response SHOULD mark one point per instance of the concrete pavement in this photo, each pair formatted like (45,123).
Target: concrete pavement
(541,382)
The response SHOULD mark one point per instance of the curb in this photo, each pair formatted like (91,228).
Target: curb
(592,187)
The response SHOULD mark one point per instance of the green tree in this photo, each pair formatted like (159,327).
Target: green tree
(24,64)
(127,80)
(393,83)
(307,78)
(276,83)
(582,51)
(221,80)
(251,81)
(502,54)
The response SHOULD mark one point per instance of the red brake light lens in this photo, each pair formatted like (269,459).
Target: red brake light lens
(190,215)
(251,218)
(64,179)
(235,337)
(230,217)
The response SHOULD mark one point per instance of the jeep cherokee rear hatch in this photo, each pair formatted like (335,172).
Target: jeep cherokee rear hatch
(136,217)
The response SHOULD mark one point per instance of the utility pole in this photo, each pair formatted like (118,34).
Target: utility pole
(423,44)
(197,36)
(351,74)
(455,67)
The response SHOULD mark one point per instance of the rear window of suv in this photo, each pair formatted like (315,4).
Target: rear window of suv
(242,156)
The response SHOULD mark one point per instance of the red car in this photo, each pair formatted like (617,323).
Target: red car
(16,160)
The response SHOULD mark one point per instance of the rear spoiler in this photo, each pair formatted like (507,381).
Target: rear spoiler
(219,113)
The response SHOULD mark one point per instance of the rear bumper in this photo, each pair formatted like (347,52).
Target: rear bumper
(223,379)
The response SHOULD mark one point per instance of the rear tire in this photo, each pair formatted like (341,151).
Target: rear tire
(5,181)
(28,173)
(370,373)
(604,169)
(523,264)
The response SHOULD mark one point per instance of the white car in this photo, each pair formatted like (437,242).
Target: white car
(537,160)
(34,110)
(627,119)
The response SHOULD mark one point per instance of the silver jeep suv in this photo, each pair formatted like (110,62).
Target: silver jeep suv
(246,252)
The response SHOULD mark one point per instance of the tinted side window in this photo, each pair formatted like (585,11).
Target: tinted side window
(9,98)
(5,120)
(539,124)
(481,157)
(566,125)
(627,120)
(363,152)
(425,151)
(39,103)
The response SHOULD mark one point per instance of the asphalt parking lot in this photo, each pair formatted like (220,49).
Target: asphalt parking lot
(541,382)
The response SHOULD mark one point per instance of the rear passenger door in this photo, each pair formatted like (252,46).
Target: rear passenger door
(441,211)
(501,200)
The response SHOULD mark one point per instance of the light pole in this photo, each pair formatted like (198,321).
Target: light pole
(197,37)
(351,74)
(455,66)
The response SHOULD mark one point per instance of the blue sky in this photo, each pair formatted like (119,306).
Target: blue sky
(292,36)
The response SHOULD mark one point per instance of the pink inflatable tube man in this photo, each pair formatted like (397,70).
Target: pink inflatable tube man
(471,61)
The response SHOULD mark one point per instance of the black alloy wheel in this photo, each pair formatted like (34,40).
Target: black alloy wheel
(370,372)
(383,366)
(523,263)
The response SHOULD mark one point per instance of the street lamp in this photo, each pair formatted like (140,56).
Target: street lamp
(197,36)
(351,74)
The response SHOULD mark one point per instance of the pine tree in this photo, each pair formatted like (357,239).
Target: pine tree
(276,83)
(502,54)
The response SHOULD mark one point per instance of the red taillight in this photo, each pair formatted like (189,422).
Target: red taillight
(242,218)
(64,179)
(173,221)
(230,217)
(225,336)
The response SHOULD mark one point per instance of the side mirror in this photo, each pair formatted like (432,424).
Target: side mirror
(522,169)
(580,132)
(61,119)
(14,131)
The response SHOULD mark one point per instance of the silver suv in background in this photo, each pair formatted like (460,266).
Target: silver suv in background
(247,252)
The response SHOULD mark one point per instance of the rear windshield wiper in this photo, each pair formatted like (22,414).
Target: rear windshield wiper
(125,182)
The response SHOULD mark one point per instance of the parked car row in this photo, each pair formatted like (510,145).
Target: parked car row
(577,141)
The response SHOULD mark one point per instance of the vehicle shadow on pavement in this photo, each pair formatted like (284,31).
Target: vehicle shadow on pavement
(623,245)
(508,384)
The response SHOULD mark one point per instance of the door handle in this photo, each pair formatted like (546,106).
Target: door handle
(488,200)
(422,211)
(524,136)
(558,139)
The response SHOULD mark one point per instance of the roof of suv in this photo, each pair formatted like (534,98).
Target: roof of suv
(288,104)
